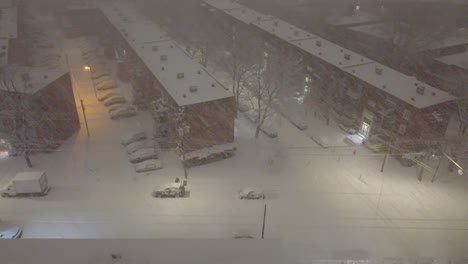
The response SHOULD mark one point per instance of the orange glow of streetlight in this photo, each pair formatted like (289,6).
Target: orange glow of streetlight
(87,68)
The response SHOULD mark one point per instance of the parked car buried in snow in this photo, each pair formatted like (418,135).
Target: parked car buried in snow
(135,146)
(106,85)
(251,193)
(148,165)
(122,112)
(172,190)
(133,137)
(104,95)
(113,100)
(143,154)
(10,231)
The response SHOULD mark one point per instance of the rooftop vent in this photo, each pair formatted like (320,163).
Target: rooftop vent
(154,48)
(318,43)
(162,68)
(212,85)
(180,75)
(163,57)
(420,90)
(193,89)
(275,23)
(46,76)
(347,56)
(378,70)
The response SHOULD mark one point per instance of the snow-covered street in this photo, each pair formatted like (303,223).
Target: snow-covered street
(322,203)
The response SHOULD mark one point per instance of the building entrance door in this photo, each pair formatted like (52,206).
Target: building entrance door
(365,128)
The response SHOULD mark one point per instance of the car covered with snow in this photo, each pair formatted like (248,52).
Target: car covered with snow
(133,137)
(119,106)
(251,193)
(143,154)
(172,190)
(116,99)
(135,146)
(104,95)
(103,79)
(106,85)
(123,112)
(99,74)
(148,165)
(10,231)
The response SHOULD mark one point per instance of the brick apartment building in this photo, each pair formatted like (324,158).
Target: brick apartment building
(164,77)
(368,97)
(37,107)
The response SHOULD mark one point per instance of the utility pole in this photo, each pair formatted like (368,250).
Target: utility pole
(84,115)
(264,218)
(384,161)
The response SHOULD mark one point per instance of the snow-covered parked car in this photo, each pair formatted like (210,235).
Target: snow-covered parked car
(10,231)
(133,137)
(104,95)
(148,165)
(116,99)
(115,107)
(251,193)
(135,146)
(100,77)
(122,111)
(173,190)
(106,85)
(143,154)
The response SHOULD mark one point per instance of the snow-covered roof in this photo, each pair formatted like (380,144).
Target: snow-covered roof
(399,85)
(4,52)
(8,22)
(29,79)
(396,83)
(458,59)
(238,11)
(80,4)
(224,5)
(358,17)
(283,29)
(331,53)
(184,79)
(385,32)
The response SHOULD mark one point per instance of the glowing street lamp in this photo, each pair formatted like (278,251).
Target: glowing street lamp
(87,68)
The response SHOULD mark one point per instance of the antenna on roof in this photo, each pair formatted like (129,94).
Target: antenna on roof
(378,70)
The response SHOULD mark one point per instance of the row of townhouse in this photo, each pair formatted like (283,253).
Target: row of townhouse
(376,100)
(165,79)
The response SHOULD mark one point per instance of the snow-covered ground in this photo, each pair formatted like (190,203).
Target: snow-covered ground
(321,203)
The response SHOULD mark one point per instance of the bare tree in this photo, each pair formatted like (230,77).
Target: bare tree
(16,108)
(266,80)
(242,53)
